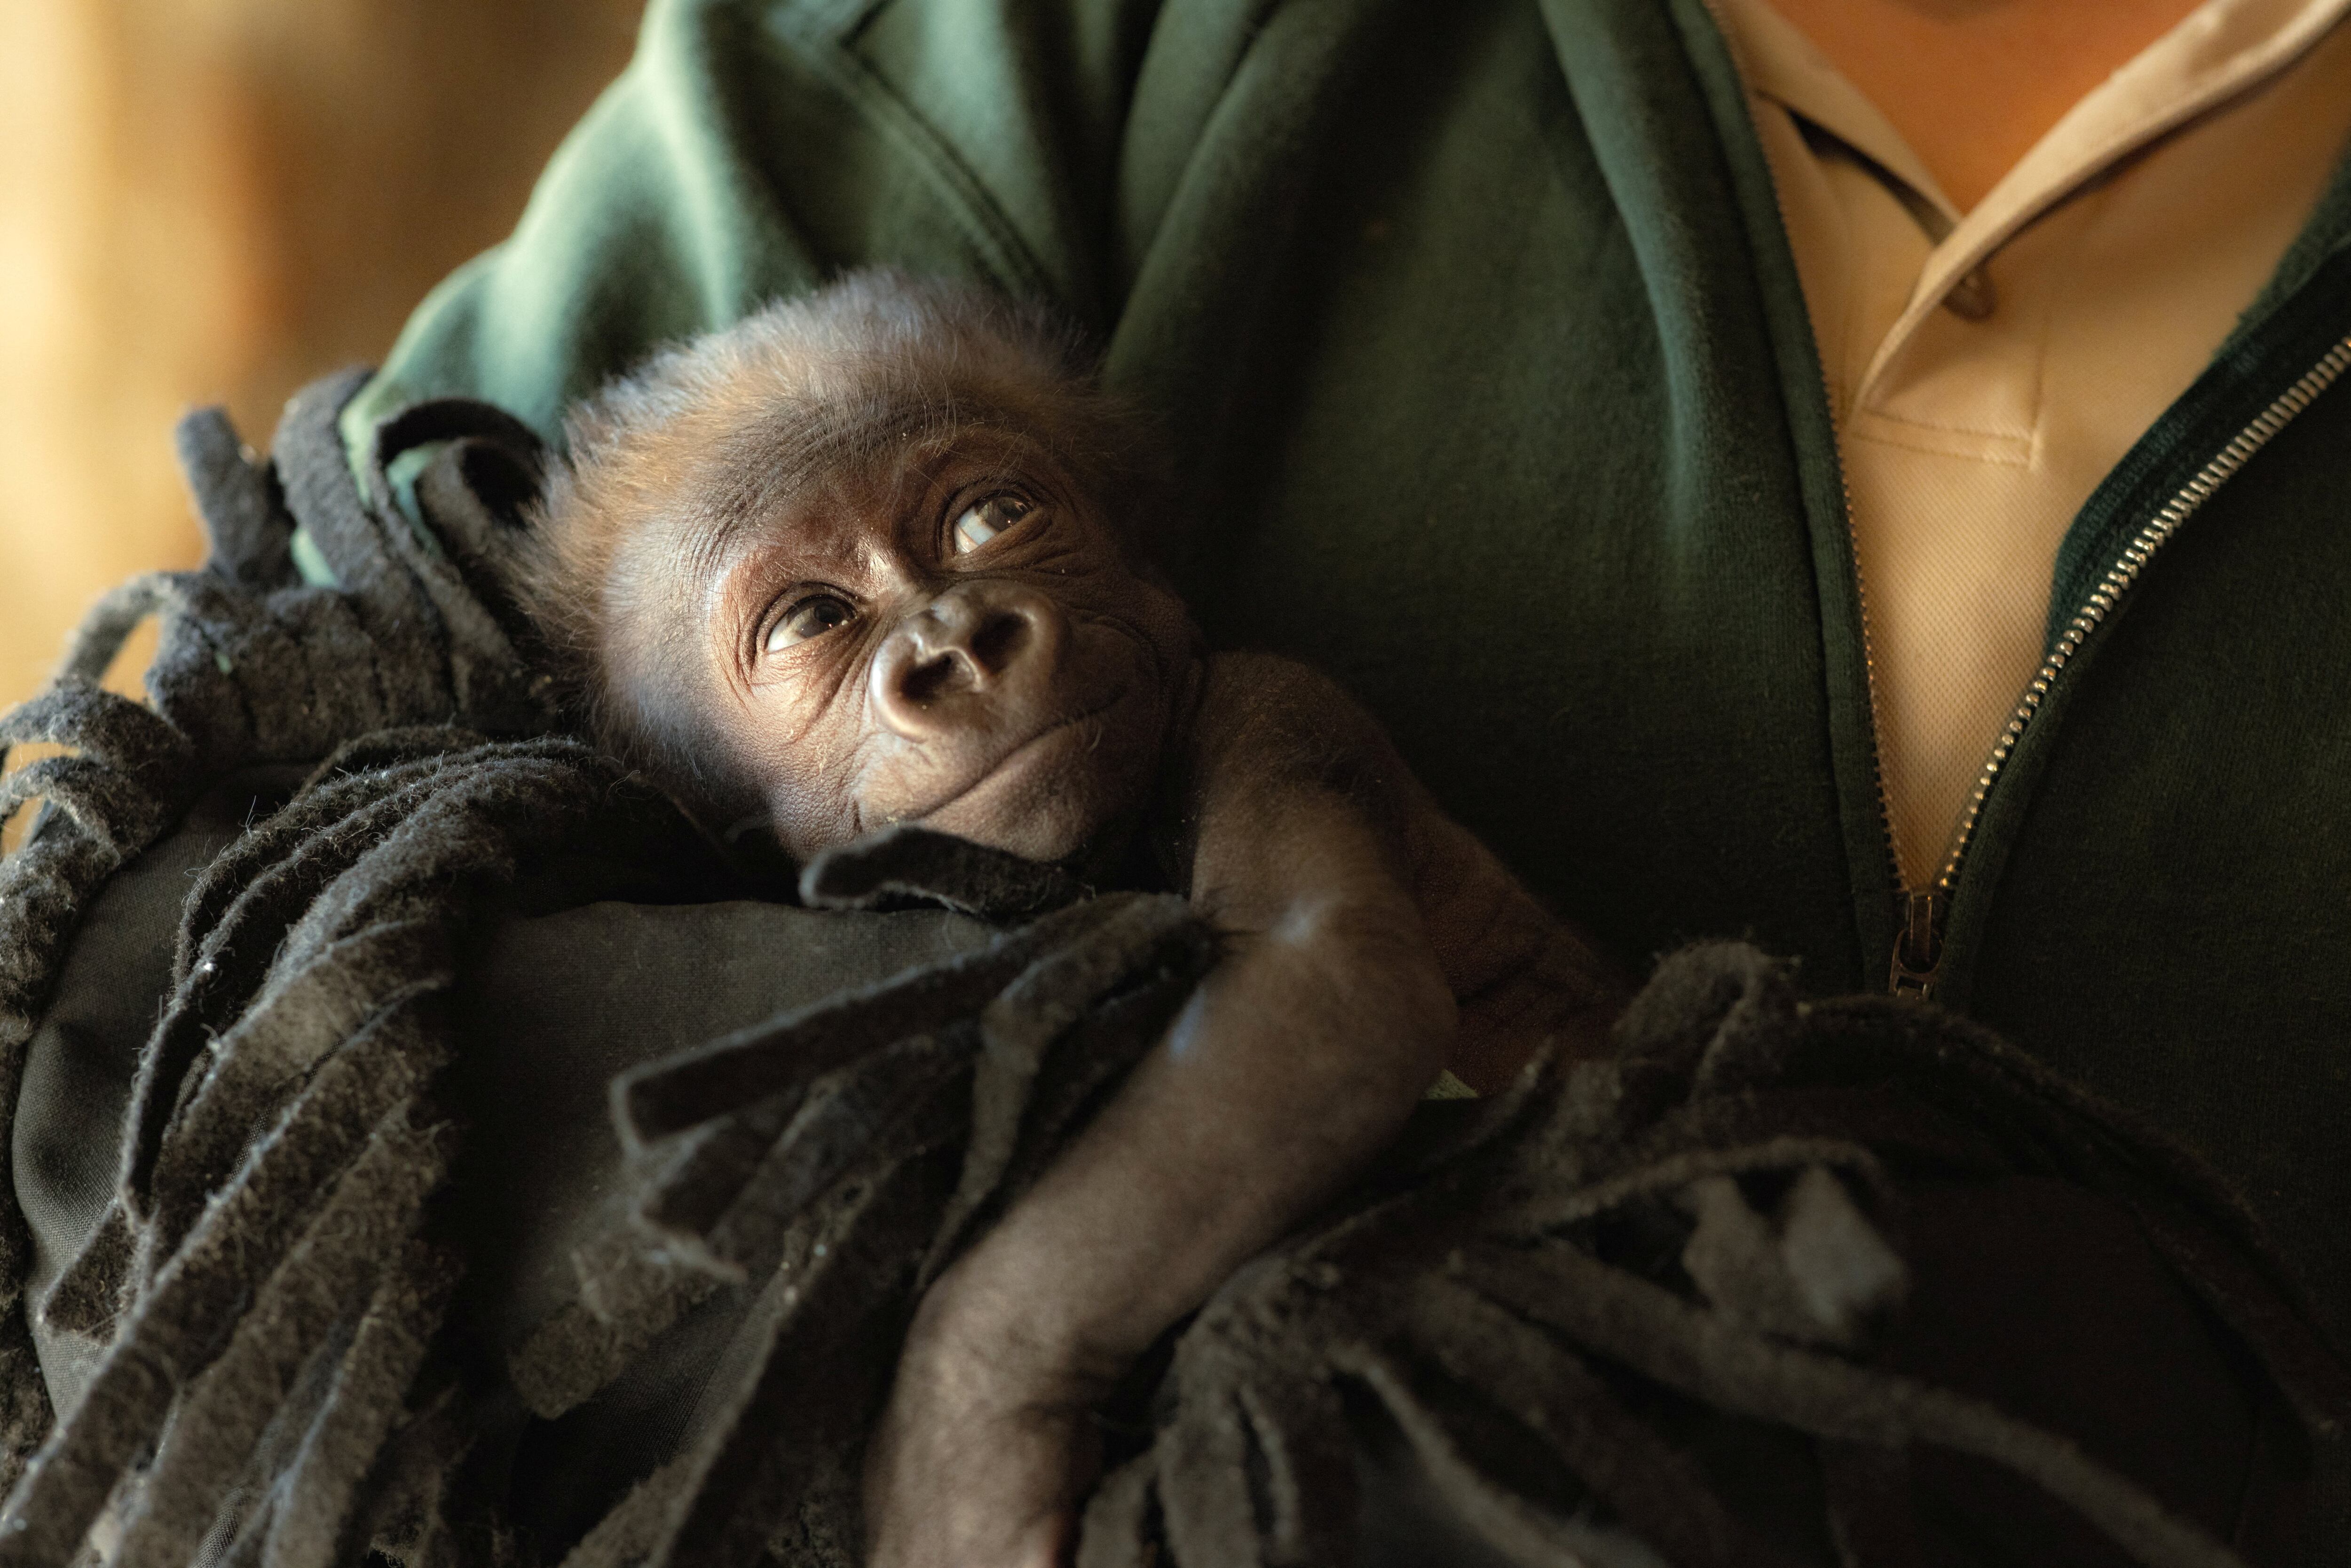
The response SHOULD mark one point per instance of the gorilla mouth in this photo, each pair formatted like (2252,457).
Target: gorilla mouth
(1009,761)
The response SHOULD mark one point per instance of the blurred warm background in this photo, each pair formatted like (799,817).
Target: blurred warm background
(212,201)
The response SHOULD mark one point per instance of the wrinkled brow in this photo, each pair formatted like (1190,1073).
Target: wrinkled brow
(763,461)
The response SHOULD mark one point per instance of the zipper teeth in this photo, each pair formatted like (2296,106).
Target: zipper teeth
(2185,504)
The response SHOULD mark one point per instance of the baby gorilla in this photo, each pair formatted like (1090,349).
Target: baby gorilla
(874,556)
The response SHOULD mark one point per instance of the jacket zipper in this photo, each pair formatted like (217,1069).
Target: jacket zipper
(1919,910)
(1918,943)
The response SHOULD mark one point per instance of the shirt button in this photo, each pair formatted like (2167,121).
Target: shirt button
(1972,297)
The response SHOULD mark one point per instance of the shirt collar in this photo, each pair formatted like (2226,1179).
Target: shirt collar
(2221,50)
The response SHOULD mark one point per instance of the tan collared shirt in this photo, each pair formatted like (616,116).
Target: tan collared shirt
(1988,369)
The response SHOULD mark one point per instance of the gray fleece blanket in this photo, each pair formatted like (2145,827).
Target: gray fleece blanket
(332,1244)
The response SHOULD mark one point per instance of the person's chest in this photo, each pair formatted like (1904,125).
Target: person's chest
(1514,424)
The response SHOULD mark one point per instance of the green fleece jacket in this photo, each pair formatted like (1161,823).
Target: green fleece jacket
(1493,394)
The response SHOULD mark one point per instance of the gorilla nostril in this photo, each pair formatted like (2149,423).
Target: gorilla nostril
(956,649)
(926,680)
(999,640)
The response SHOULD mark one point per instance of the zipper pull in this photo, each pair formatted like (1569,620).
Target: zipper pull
(1918,946)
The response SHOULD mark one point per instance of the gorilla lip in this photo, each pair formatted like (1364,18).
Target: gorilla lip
(1006,764)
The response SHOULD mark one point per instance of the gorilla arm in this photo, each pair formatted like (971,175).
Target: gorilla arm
(1276,740)
(1354,912)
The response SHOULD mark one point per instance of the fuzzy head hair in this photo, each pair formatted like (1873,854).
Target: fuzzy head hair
(717,431)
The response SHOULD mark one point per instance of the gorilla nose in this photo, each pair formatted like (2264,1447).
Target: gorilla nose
(968,650)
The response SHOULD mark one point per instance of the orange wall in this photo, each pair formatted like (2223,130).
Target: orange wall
(212,201)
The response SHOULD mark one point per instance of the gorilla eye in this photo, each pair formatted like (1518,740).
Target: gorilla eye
(983,520)
(811,617)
